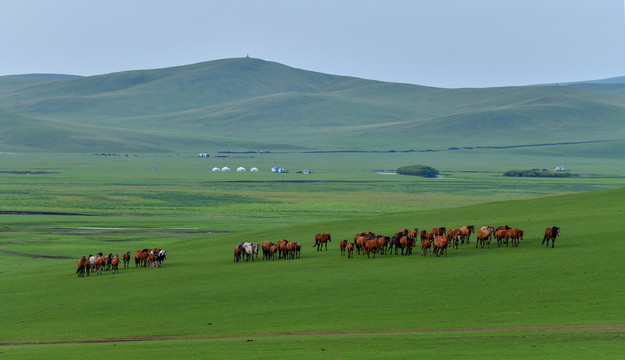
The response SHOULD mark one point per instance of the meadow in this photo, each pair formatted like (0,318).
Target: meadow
(526,302)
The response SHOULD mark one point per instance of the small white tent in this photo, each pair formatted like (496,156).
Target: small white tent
(215,169)
(240,169)
(254,169)
(225,168)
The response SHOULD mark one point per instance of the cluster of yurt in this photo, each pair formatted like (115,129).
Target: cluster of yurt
(239,169)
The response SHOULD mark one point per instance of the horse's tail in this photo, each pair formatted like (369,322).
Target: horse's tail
(315,244)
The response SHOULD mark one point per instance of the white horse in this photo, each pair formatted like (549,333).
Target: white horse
(248,249)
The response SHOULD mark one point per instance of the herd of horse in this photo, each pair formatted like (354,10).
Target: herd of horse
(435,242)
(283,249)
(99,263)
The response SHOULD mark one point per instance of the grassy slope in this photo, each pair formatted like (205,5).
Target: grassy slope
(407,301)
(202,294)
(210,103)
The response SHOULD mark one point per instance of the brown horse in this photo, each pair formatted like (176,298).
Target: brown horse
(282,248)
(500,235)
(350,250)
(266,247)
(360,244)
(290,250)
(465,233)
(100,263)
(439,231)
(141,258)
(237,254)
(82,266)
(383,242)
(127,259)
(321,239)
(454,236)
(425,246)
(343,245)
(115,264)
(440,245)
(514,235)
(371,246)
(273,249)
(483,236)
(551,234)
(407,243)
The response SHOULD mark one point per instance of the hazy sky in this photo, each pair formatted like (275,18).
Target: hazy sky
(445,43)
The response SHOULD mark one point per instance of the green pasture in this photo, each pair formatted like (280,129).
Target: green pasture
(525,302)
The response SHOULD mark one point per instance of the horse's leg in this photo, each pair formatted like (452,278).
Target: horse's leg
(553,242)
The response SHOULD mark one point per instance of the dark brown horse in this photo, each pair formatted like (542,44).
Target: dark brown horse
(321,239)
(551,234)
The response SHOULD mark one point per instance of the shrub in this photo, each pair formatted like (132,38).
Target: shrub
(418,170)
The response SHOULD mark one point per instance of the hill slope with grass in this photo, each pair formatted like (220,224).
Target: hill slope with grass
(245,103)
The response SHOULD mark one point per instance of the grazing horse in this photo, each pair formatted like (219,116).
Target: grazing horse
(237,254)
(321,239)
(127,259)
(350,250)
(343,245)
(83,264)
(551,234)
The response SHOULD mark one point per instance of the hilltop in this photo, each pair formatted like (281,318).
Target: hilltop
(247,104)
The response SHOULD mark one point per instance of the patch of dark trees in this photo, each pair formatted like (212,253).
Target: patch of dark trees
(538,173)
(418,170)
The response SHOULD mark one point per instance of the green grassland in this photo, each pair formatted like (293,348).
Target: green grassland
(525,302)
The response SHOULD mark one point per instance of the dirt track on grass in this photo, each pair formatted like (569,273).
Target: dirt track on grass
(250,337)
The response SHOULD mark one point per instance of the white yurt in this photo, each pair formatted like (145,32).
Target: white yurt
(216,169)
(240,169)
(225,168)
(254,169)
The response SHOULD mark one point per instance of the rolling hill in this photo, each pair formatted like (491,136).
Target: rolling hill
(244,104)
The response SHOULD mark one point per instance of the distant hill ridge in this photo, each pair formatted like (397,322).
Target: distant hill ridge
(246,103)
